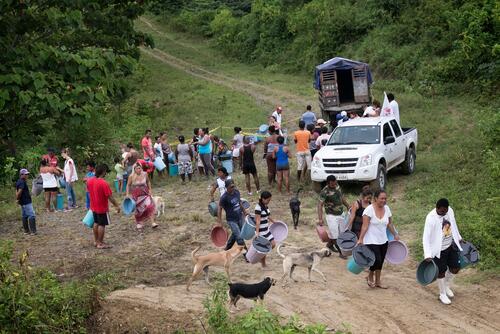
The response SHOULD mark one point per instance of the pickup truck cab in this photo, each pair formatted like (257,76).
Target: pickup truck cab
(365,149)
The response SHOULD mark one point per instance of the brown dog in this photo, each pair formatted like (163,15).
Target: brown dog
(221,259)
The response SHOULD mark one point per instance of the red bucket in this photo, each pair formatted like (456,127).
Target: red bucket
(322,234)
(218,236)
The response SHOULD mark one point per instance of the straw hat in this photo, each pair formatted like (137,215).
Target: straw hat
(321,121)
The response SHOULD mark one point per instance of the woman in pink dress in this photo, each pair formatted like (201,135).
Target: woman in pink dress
(139,187)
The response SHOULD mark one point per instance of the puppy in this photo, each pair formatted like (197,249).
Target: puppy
(159,205)
(309,260)
(295,208)
(250,291)
(221,259)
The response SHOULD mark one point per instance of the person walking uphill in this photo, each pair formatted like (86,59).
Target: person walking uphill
(270,144)
(302,138)
(23,198)
(70,177)
(441,242)
(332,199)
(308,117)
(248,164)
(232,205)
(377,218)
(100,193)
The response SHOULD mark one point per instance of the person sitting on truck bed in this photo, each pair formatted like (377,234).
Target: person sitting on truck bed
(373,110)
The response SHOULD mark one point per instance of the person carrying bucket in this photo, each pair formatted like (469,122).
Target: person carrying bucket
(100,193)
(139,186)
(332,199)
(263,221)
(377,218)
(357,208)
(270,144)
(220,183)
(232,205)
(441,242)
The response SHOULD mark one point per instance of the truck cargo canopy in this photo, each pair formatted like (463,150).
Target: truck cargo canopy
(339,63)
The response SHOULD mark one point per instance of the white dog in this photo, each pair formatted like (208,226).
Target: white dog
(159,205)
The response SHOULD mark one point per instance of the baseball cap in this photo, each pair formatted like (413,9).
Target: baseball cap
(344,113)
(24,171)
(228,183)
(321,121)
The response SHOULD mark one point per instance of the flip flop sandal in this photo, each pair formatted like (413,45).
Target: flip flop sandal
(370,284)
(104,247)
(380,286)
(154,225)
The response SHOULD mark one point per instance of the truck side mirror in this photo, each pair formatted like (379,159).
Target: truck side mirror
(389,140)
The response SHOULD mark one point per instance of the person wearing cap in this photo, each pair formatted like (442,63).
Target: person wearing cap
(232,205)
(308,117)
(220,182)
(441,242)
(332,199)
(23,198)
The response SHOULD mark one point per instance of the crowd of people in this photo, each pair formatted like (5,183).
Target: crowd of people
(368,217)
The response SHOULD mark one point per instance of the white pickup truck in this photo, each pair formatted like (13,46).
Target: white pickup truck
(364,149)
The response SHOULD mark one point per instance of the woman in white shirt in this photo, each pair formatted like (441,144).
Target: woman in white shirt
(377,218)
(71,177)
(50,187)
(441,241)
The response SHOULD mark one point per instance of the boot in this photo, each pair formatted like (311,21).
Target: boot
(442,292)
(25,225)
(32,225)
(448,279)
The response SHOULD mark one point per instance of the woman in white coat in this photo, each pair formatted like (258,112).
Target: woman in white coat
(441,242)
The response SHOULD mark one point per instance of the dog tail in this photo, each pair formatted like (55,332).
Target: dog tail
(278,250)
(193,256)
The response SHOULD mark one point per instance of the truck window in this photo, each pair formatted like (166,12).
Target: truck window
(387,131)
(348,135)
(395,128)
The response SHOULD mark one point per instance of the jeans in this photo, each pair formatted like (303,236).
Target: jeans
(71,195)
(235,234)
(28,218)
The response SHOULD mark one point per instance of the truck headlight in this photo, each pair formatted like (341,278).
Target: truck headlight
(365,160)
(316,163)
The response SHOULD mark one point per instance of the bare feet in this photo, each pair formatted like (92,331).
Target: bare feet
(380,286)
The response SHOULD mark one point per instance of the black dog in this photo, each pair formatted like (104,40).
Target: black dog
(295,208)
(249,291)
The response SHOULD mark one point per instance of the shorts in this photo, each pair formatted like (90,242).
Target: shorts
(51,190)
(335,223)
(282,167)
(101,219)
(119,177)
(449,258)
(27,210)
(185,168)
(236,153)
(303,158)
(249,169)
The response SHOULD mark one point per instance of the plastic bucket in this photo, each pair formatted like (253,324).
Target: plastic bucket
(88,220)
(218,235)
(427,272)
(124,187)
(363,256)
(62,182)
(263,128)
(128,206)
(159,164)
(213,208)
(59,202)
(353,267)
(347,241)
(228,165)
(171,157)
(248,229)
(173,169)
(390,236)
(279,230)
(117,186)
(322,234)
(260,247)
(246,204)
(463,261)
(397,252)
(469,253)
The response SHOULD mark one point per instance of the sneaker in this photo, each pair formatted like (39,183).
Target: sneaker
(250,193)
(444,299)
(449,293)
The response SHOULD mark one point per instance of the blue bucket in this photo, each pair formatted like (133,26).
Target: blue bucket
(60,202)
(88,220)
(62,182)
(117,186)
(171,157)
(124,187)
(159,164)
(263,128)
(427,272)
(213,208)
(390,236)
(248,229)
(353,267)
(128,206)
(173,170)
(228,165)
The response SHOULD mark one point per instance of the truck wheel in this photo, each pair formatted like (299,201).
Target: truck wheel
(409,163)
(317,186)
(381,181)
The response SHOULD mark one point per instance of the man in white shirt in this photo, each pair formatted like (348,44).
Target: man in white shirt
(394,107)
(441,242)
(277,114)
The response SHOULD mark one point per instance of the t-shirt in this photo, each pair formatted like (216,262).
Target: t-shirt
(332,200)
(277,117)
(230,202)
(308,117)
(447,235)
(70,171)
(302,137)
(377,229)
(25,193)
(119,169)
(52,161)
(146,147)
(319,141)
(158,150)
(99,192)
(221,184)
(183,153)
(395,110)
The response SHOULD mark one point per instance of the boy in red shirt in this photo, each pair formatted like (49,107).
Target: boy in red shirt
(100,193)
